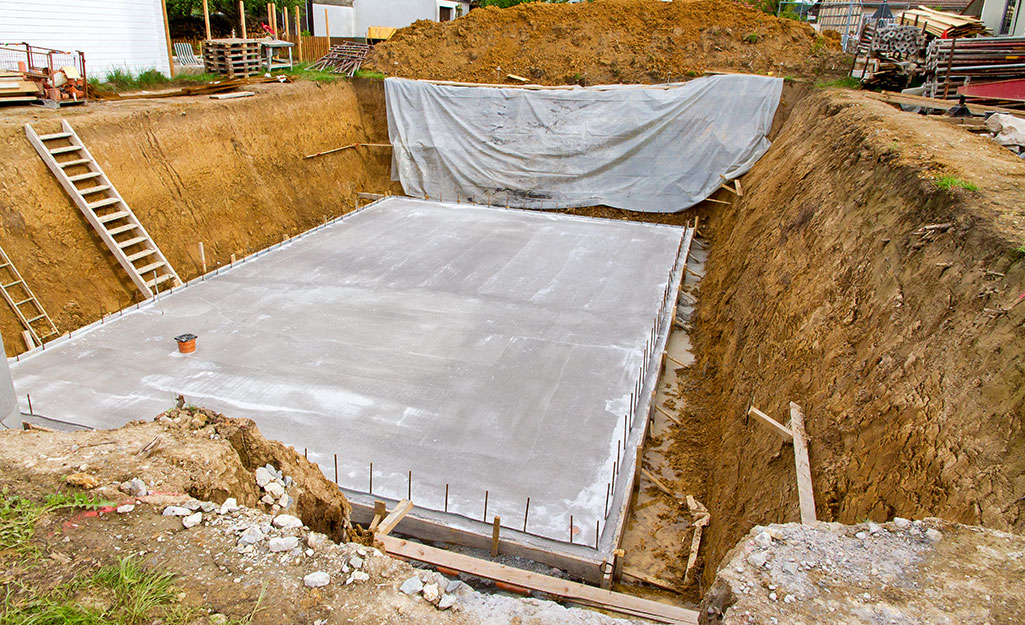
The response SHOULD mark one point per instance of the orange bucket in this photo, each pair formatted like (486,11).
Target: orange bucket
(186,343)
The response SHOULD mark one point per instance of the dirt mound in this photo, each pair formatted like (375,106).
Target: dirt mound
(607,41)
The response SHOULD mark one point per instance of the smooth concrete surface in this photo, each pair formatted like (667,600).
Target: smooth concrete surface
(477,347)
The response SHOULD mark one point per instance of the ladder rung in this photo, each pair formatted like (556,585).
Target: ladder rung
(150,267)
(111,217)
(97,189)
(34,319)
(120,229)
(86,176)
(138,255)
(56,135)
(24,301)
(130,242)
(159,279)
(65,150)
(7,286)
(78,161)
(4,265)
(102,203)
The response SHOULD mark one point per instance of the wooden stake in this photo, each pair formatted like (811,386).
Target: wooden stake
(496,527)
(298,33)
(666,413)
(327,29)
(206,18)
(167,36)
(389,522)
(772,423)
(270,18)
(288,31)
(242,18)
(805,493)
(597,532)
(29,342)
(380,511)
(202,256)
(675,360)
(526,511)
(662,487)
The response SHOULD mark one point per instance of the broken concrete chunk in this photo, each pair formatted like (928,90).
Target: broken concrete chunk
(283,544)
(356,562)
(763,539)
(317,579)
(134,487)
(287,522)
(192,520)
(267,499)
(358,576)
(286,501)
(275,490)
(432,593)
(447,601)
(758,559)
(251,536)
(412,586)
(176,511)
(229,505)
(901,523)
(934,535)
(263,477)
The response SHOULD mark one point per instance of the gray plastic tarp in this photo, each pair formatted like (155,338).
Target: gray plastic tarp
(654,148)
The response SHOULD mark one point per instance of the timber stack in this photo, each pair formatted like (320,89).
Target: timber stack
(234,58)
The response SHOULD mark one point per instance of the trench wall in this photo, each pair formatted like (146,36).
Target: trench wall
(819,291)
(227,173)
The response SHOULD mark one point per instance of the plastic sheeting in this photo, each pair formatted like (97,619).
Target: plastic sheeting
(654,148)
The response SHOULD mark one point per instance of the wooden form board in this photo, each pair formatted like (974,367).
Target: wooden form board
(571,591)
(804,489)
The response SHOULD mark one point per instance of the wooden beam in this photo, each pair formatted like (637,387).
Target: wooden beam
(641,576)
(565,589)
(298,34)
(675,360)
(380,511)
(242,18)
(400,510)
(206,18)
(666,413)
(804,489)
(496,529)
(891,97)
(167,36)
(370,196)
(772,423)
(662,487)
(695,542)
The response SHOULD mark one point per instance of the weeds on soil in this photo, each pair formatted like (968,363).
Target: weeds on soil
(302,70)
(18,516)
(949,182)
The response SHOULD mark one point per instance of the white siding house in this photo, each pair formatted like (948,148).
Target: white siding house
(351,18)
(125,34)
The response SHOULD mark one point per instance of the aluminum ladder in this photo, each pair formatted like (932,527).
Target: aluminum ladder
(10,283)
(81,176)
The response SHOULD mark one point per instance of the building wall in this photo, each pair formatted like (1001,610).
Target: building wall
(125,34)
(399,13)
(341,21)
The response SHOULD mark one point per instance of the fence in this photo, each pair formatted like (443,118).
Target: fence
(313,48)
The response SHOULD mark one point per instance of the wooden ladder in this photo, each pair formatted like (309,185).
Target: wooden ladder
(11,283)
(81,176)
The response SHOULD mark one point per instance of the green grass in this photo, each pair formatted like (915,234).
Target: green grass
(18,517)
(847,82)
(123,593)
(365,73)
(752,38)
(949,182)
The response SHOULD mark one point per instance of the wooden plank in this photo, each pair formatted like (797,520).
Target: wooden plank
(379,513)
(666,413)
(804,488)
(662,487)
(772,423)
(641,576)
(400,510)
(232,96)
(571,591)
(496,530)
(891,97)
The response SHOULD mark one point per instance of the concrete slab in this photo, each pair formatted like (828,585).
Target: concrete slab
(475,347)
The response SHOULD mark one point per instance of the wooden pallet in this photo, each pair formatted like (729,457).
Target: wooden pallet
(232,57)
(104,208)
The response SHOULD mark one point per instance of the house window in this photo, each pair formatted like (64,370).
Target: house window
(444,14)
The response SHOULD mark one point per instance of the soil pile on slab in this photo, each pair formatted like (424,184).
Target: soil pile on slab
(608,41)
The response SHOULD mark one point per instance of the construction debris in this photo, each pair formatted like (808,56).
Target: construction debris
(941,24)
(30,74)
(952,63)
(345,58)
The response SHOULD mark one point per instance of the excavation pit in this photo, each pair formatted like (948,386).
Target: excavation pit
(477,356)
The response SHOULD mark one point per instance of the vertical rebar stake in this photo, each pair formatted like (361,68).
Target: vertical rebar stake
(371,478)
(571,529)
(446,497)
(29,403)
(608,491)
(336,469)
(409,486)
(597,528)
(485,517)
(526,511)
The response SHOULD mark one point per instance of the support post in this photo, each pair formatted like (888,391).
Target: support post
(327,30)
(206,18)
(288,31)
(167,36)
(298,34)
(242,18)
(496,528)
(805,493)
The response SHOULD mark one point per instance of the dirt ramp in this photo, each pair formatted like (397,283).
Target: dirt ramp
(607,41)
(848,281)
(230,174)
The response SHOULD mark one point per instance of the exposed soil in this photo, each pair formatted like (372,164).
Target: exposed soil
(903,345)
(227,173)
(608,41)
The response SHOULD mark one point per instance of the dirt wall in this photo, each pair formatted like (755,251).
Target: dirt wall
(227,173)
(899,343)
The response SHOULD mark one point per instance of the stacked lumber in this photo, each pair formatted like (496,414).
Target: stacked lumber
(16,89)
(345,58)
(943,25)
(952,63)
(31,74)
(233,58)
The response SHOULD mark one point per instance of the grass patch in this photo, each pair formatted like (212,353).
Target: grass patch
(303,71)
(847,82)
(18,517)
(123,593)
(752,38)
(365,73)
(949,182)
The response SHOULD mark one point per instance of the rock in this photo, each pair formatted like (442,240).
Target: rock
(287,522)
(901,523)
(275,490)
(309,553)
(287,543)
(446,602)
(874,528)
(789,599)
(176,511)
(934,535)
(316,540)
(229,505)
(432,594)
(82,480)
(125,509)
(758,559)
(134,487)
(316,579)
(772,596)
(763,539)
(861,535)
(412,586)
(267,499)
(790,568)
(356,562)
(358,576)
(207,506)
(192,504)
(193,520)
(286,501)
(263,477)
(218,619)
(251,536)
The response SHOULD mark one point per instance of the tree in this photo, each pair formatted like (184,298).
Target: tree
(191,8)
